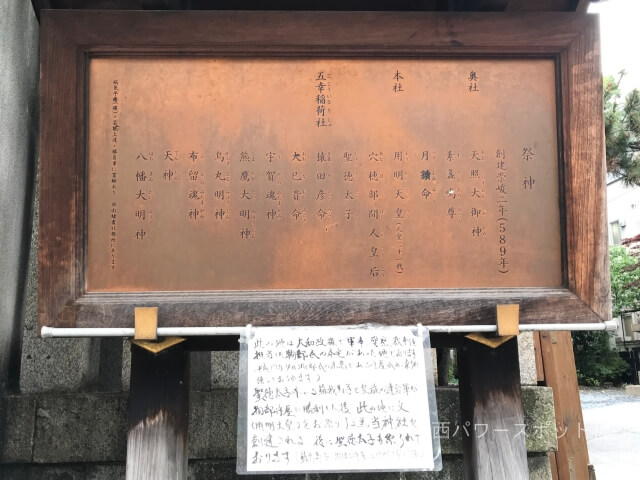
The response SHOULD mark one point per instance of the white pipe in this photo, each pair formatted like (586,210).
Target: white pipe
(609,326)
(51,332)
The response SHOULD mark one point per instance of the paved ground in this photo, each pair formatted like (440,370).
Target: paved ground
(612,424)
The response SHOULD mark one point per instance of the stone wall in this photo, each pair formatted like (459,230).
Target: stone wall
(83,435)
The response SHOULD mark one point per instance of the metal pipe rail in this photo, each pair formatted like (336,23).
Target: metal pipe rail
(51,332)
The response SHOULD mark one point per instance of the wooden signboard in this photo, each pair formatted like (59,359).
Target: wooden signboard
(320,168)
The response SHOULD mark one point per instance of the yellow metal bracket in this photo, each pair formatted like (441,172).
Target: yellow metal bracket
(489,341)
(146,323)
(157,347)
(508,319)
(146,331)
(508,323)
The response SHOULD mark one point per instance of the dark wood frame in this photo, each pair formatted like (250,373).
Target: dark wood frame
(70,38)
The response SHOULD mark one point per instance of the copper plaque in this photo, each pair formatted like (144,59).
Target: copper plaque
(239,174)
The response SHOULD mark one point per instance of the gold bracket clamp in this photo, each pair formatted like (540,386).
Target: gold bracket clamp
(508,323)
(146,323)
(146,331)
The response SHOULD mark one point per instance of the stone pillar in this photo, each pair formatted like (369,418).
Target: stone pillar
(18,153)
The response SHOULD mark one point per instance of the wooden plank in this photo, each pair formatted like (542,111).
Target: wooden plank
(585,171)
(491,410)
(61,182)
(538,354)
(351,32)
(553,463)
(572,457)
(317,307)
(158,414)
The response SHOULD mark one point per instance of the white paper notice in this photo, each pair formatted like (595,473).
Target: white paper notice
(337,399)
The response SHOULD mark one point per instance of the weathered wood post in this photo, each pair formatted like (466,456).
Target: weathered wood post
(158,414)
(572,458)
(493,443)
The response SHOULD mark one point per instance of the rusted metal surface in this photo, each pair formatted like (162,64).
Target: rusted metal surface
(233,174)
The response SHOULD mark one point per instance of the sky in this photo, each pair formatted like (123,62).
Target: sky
(619,25)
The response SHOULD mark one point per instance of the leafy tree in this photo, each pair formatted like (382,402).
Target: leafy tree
(596,361)
(622,131)
(625,278)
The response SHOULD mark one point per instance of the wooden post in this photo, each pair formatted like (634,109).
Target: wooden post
(158,414)
(572,457)
(493,444)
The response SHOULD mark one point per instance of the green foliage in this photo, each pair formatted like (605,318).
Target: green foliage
(625,281)
(596,361)
(453,371)
(622,131)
